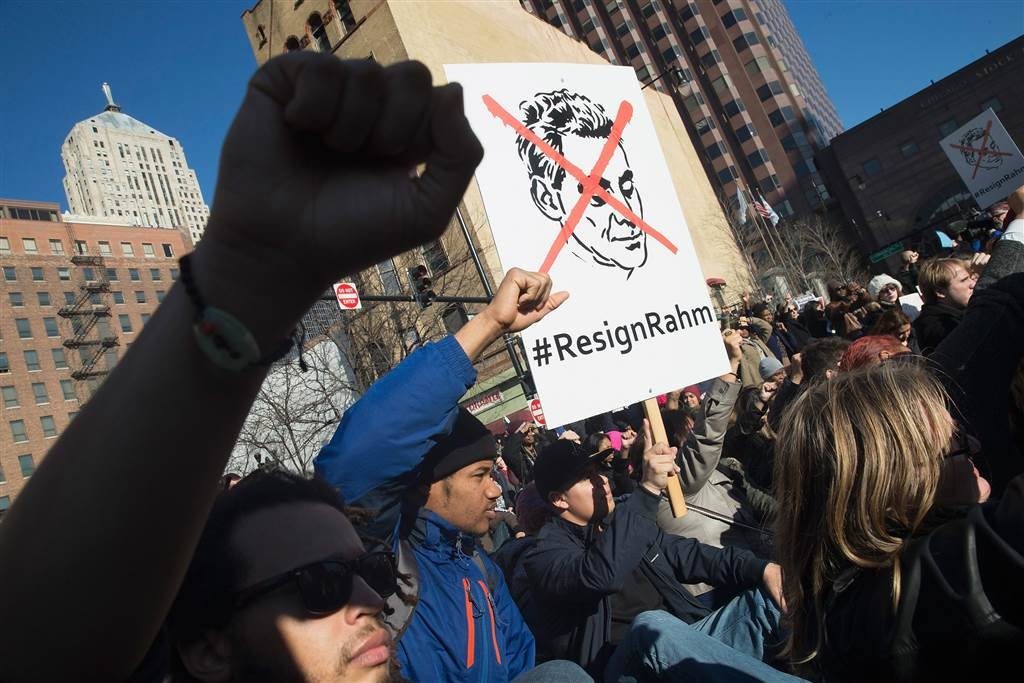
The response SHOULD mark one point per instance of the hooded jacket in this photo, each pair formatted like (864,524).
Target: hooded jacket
(465,625)
(934,324)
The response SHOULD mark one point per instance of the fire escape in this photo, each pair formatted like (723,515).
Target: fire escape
(89,315)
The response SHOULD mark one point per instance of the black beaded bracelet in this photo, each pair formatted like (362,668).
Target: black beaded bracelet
(224,339)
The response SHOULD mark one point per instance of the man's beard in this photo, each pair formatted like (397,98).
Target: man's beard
(253,664)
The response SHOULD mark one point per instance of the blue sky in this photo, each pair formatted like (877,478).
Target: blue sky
(181,66)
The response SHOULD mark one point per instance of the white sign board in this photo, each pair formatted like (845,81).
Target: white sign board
(574,184)
(986,158)
(348,296)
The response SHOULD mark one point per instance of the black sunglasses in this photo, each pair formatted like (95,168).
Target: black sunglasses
(326,586)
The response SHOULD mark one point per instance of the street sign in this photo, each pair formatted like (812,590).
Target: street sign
(348,296)
(886,252)
(538,412)
(986,158)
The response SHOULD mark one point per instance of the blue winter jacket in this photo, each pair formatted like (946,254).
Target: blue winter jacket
(466,626)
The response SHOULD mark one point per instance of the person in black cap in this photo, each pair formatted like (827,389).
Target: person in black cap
(422,464)
(599,563)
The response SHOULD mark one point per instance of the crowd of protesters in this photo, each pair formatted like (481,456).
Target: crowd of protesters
(855,504)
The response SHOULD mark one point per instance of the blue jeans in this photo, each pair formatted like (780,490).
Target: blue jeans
(729,644)
(555,671)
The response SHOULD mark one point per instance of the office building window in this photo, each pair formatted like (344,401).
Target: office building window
(699,35)
(27,465)
(29,245)
(711,58)
(125,321)
(5,244)
(37,274)
(64,273)
(105,249)
(67,388)
(43,298)
(9,274)
(909,148)
(60,361)
(133,274)
(56,247)
(872,167)
(69,298)
(118,297)
(112,274)
(4,365)
(388,277)
(745,132)
(715,150)
(49,428)
(757,158)
(745,41)
(154,274)
(733,108)
(147,250)
(39,392)
(24,328)
(31,360)
(168,251)
(992,103)
(18,430)
(730,18)
(689,12)
(50,324)
(17,299)
(160,294)
(140,297)
(10,395)
(127,249)
(174,274)
(144,317)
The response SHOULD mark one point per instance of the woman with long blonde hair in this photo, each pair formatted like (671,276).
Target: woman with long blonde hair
(857,472)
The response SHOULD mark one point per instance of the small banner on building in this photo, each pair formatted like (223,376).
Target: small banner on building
(575,184)
(986,158)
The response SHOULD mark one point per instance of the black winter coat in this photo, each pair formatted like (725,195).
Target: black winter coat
(934,324)
(573,571)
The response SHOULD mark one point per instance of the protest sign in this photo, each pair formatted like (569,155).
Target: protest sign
(574,184)
(986,157)
(911,305)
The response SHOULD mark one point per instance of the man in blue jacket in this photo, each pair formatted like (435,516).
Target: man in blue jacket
(407,452)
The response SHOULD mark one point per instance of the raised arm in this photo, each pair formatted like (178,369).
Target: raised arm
(383,438)
(314,183)
(700,453)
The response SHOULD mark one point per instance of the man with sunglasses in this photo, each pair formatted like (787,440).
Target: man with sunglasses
(409,453)
(261,602)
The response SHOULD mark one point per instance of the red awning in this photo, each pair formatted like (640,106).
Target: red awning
(715,282)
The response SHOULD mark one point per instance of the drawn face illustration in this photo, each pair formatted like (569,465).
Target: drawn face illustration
(603,234)
(578,129)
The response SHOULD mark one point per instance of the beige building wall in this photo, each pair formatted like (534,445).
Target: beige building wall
(439,33)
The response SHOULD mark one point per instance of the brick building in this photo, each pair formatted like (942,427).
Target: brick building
(74,293)
(891,178)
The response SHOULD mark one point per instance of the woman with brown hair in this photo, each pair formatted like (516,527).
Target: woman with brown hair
(864,490)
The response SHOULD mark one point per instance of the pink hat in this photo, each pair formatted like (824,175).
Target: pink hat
(616,439)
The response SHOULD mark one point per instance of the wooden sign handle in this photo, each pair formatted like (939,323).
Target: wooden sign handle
(675,492)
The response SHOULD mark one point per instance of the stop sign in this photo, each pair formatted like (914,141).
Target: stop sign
(538,412)
(348,296)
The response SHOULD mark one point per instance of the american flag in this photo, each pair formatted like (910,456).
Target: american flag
(765,210)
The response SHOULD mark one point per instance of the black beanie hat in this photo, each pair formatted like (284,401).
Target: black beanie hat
(468,442)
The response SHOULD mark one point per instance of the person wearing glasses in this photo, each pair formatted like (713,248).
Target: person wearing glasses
(261,602)
(407,451)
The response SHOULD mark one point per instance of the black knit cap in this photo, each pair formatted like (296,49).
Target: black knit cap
(468,442)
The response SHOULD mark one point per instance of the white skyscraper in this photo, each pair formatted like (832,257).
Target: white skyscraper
(117,166)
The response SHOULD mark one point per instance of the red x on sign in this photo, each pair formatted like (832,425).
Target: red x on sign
(983,151)
(591,183)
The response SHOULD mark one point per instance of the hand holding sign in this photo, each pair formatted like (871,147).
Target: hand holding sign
(659,463)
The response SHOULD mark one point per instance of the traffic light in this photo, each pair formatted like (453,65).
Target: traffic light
(420,282)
